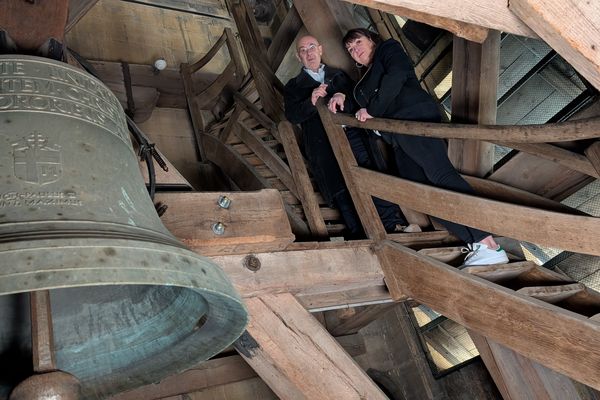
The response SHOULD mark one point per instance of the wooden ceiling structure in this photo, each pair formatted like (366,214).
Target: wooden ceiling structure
(537,331)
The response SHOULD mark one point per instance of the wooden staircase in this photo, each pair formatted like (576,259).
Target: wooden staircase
(541,314)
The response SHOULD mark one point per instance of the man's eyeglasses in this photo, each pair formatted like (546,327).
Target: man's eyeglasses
(309,49)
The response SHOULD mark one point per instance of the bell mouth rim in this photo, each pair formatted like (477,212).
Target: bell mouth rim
(67,263)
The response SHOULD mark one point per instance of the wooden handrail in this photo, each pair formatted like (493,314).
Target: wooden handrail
(557,132)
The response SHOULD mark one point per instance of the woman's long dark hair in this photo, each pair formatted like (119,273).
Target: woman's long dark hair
(356,33)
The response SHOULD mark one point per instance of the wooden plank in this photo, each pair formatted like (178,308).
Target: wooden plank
(561,156)
(245,176)
(284,38)
(318,19)
(557,132)
(559,339)
(269,157)
(77,9)
(552,294)
(593,155)
(475,83)
(220,371)
(254,221)
(524,379)
(577,233)
(508,194)
(277,320)
(491,14)
(502,272)
(256,54)
(343,153)
(352,277)
(258,115)
(212,8)
(305,190)
(461,29)
(359,318)
(571,27)
(539,176)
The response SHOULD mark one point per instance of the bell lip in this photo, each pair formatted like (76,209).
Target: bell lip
(64,263)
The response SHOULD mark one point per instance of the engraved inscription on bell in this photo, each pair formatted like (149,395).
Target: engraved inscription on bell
(36,160)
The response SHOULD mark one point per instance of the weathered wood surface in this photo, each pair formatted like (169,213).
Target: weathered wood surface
(343,153)
(352,269)
(77,9)
(468,31)
(285,36)
(207,374)
(315,367)
(558,132)
(210,8)
(577,233)
(561,340)
(519,378)
(561,156)
(268,156)
(571,27)
(318,19)
(349,321)
(593,155)
(475,86)
(508,194)
(305,190)
(254,221)
(245,176)
(492,14)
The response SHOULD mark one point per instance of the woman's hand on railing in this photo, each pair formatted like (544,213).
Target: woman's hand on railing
(362,115)
(336,101)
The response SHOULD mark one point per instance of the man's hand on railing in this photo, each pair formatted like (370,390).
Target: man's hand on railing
(336,101)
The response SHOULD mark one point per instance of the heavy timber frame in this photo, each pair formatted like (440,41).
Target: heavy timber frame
(282,280)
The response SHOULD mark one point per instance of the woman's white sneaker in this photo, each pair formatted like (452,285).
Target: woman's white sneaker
(480,254)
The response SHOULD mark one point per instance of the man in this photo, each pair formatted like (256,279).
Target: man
(314,81)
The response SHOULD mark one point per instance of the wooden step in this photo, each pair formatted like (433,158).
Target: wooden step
(552,294)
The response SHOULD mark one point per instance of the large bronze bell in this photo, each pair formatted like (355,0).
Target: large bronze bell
(130,304)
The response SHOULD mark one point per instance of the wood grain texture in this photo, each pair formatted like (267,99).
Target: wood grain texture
(314,367)
(254,221)
(352,275)
(561,340)
(571,27)
(593,155)
(305,190)
(77,9)
(558,132)
(577,233)
(491,14)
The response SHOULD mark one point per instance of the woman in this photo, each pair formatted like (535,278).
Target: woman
(389,89)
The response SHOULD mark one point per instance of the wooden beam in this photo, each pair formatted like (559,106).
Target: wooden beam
(561,156)
(320,22)
(253,221)
(593,155)
(210,373)
(277,320)
(245,176)
(352,275)
(518,377)
(284,38)
(508,194)
(268,156)
(557,132)
(343,153)
(561,340)
(77,9)
(461,29)
(256,54)
(491,14)
(210,8)
(571,27)
(356,318)
(580,234)
(475,83)
(305,190)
